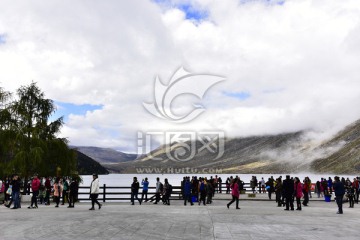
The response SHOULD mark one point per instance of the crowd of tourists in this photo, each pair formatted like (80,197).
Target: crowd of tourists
(43,190)
(288,191)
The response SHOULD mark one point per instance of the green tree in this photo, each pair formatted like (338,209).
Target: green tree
(38,149)
(7,136)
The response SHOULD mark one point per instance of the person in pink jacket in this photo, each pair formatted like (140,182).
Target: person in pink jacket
(35,185)
(298,193)
(235,193)
(57,191)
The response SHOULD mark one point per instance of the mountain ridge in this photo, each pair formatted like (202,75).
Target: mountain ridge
(287,152)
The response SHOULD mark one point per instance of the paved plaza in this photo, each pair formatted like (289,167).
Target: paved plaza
(255,220)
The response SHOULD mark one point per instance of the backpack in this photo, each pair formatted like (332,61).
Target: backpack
(170,189)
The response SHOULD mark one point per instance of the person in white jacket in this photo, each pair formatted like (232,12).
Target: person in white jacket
(94,191)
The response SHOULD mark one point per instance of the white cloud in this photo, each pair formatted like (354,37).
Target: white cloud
(299,61)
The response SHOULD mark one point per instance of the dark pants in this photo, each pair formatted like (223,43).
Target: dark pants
(220,184)
(133,196)
(234,198)
(47,197)
(144,193)
(298,203)
(157,197)
(57,200)
(269,194)
(166,198)
(34,198)
(202,197)
(72,199)
(339,202)
(94,200)
(351,200)
(289,201)
(357,195)
(306,199)
(187,198)
(278,199)
(65,197)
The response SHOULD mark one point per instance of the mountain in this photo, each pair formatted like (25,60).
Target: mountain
(87,165)
(347,158)
(282,153)
(106,155)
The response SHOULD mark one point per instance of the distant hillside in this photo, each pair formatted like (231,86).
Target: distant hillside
(87,165)
(106,155)
(290,152)
(347,158)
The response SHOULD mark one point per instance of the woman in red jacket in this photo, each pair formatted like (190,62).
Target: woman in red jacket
(235,193)
(35,186)
(298,192)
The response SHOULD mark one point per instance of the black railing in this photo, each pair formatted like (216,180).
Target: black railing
(108,193)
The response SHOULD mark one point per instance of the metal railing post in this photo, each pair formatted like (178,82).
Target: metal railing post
(104,192)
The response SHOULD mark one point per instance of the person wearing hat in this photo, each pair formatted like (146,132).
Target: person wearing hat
(94,191)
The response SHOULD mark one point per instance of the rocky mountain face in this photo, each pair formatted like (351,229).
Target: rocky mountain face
(282,153)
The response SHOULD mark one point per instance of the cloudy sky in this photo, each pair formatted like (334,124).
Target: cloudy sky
(288,65)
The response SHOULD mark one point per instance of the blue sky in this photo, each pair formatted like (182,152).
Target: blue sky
(65,109)
(238,95)
(191,12)
(2,39)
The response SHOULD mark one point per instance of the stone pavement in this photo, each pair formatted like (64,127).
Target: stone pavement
(255,220)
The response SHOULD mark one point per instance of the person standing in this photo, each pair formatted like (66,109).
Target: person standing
(65,191)
(2,191)
(35,186)
(356,188)
(270,187)
(309,186)
(219,181)
(288,191)
(48,191)
(159,189)
(306,191)
(135,190)
(202,191)
(73,191)
(298,192)
(234,193)
(339,189)
(227,183)
(187,191)
(94,192)
(278,191)
(57,191)
(167,192)
(145,186)
(15,192)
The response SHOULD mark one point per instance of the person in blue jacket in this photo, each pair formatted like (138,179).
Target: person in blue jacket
(330,185)
(145,188)
(339,193)
(187,191)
